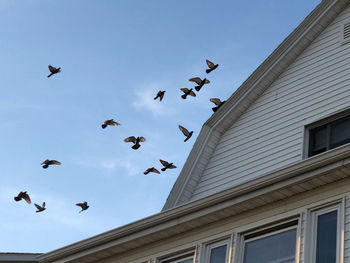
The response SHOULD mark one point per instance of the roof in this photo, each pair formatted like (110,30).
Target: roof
(246,94)
(19,257)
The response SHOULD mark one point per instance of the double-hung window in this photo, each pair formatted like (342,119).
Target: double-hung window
(272,245)
(217,252)
(324,235)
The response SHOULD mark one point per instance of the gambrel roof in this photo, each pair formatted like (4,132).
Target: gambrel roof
(246,94)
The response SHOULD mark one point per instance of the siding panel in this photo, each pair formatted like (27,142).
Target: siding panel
(269,135)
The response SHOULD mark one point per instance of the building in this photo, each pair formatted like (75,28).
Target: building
(268,178)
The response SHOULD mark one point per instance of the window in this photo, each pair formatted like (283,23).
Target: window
(217,252)
(184,258)
(329,135)
(273,245)
(324,237)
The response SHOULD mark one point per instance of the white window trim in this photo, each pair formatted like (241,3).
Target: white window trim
(240,238)
(310,231)
(211,246)
(178,257)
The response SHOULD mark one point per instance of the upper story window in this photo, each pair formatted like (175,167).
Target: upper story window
(217,252)
(182,258)
(328,134)
(276,244)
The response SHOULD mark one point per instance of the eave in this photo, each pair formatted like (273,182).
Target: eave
(280,184)
(246,94)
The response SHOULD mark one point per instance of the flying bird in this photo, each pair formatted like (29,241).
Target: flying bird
(217,102)
(135,141)
(187,92)
(47,163)
(23,195)
(110,122)
(53,70)
(211,66)
(167,165)
(40,208)
(151,170)
(200,82)
(159,95)
(185,132)
(83,206)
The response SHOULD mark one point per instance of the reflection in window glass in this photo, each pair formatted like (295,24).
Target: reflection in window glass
(276,248)
(326,244)
(218,254)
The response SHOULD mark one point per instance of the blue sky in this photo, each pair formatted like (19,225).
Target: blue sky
(115,56)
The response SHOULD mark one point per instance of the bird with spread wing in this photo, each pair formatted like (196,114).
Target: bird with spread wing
(135,141)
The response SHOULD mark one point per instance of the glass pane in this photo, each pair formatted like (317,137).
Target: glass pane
(277,248)
(318,140)
(340,133)
(218,254)
(326,246)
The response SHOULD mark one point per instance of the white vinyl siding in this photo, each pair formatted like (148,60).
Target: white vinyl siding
(269,135)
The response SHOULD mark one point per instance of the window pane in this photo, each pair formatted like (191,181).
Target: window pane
(218,254)
(326,246)
(318,140)
(340,133)
(277,248)
(186,261)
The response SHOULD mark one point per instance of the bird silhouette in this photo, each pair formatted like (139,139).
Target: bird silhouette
(110,122)
(159,95)
(151,170)
(53,70)
(217,102)
(211,66)
(40,208)
(23,195)
(187,92)
(167,165)
(47,163)
(185,132)
(200,82)
(135,141)
(83,206)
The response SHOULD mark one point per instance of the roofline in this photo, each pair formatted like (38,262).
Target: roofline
(239,97)
(19,257)
(339,157)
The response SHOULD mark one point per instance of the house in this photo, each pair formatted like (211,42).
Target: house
(268,178)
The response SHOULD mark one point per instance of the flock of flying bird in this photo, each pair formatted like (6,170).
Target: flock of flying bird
(135,140)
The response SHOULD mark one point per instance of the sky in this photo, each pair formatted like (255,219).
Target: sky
(114,56)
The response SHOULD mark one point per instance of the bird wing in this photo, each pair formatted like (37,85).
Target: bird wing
(52,69)
(55,162)
(184,90)
(44,204)
(114,123)
(216,101)
(38,206)
(164,163)
(172,166)
(26,197)
(210,64)
(161,95)
(142,139)
(197,80)
(44,162)
(206,81)
(80,204)
(192,93)
(184,130)
(130,139)
(154,170)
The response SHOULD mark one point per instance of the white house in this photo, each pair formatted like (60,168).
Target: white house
(268,178)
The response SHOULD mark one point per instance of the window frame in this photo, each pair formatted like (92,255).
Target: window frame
(241,237)
(211,246)
(326,121)
(177,257)
(311,230)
